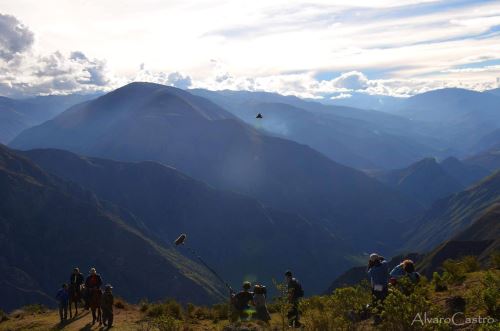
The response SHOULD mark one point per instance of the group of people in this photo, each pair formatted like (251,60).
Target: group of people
(79,288)
(243,300)
(380,277)
(378,272)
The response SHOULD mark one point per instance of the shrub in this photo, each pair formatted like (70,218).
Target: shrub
(3,316)
(221,311)
(495,260)
(400,311)
(202,313)
(491,294)
(281,304)
(35,309)
(454,271)
(169,308)
(120,304)
(143,305)
(438,283)
(338,311)
(471,263)
(167,323)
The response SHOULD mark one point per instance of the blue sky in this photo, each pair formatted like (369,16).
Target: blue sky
(308,48)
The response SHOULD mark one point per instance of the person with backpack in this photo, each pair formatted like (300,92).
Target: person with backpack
(259,299)
(295,292)
(378,272)
(241,302)
(107,301)
(405,268)
(62,297)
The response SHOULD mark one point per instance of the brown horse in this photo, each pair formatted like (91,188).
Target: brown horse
(95,296)
(75,295)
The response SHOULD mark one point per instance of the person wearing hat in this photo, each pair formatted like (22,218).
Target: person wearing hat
(76,281)
(295,292)
(378,272)
(241,302)
(107,301)
(93,281)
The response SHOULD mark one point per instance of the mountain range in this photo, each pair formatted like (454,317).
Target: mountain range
(365,139)
(17,115)
(112,180)
(450,216)
(459,117)
(235,234)
(48,226)
(480,239)
(428,181)
(143,121)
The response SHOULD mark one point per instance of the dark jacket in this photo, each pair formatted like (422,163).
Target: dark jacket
(379,273)
(242,300)
(92,282)
(76,279)
(62,296)
(294,289)
(107,301)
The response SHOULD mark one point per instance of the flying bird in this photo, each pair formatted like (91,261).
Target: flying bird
(259,116)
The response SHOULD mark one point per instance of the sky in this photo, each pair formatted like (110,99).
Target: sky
(313,49)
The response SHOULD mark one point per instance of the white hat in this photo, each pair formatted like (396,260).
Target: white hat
(374,257)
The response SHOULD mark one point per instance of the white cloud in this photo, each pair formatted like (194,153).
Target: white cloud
(23,71)
(15,38)
(408,45)
(341,96)
(175,79)
(353,80)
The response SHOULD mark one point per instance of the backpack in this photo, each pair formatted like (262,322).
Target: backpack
(240,300)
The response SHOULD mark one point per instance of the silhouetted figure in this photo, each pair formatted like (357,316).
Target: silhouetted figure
(295,292)
(259,116)
(241,302)
(74,290)
(259,299)
(93,281)
(62,299)
(378,273)
(107,306)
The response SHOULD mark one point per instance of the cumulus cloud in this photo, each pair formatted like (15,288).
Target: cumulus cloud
(175,79)
(24,71)
(54,73)
(15,38)
(353,80)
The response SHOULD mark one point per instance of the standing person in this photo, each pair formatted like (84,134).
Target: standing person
(62,298)
(378,273)
(76,279)
(75,284)
(107,306)
(241,302)
(93,282)
(405,268)
(295,292)
(259,299)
